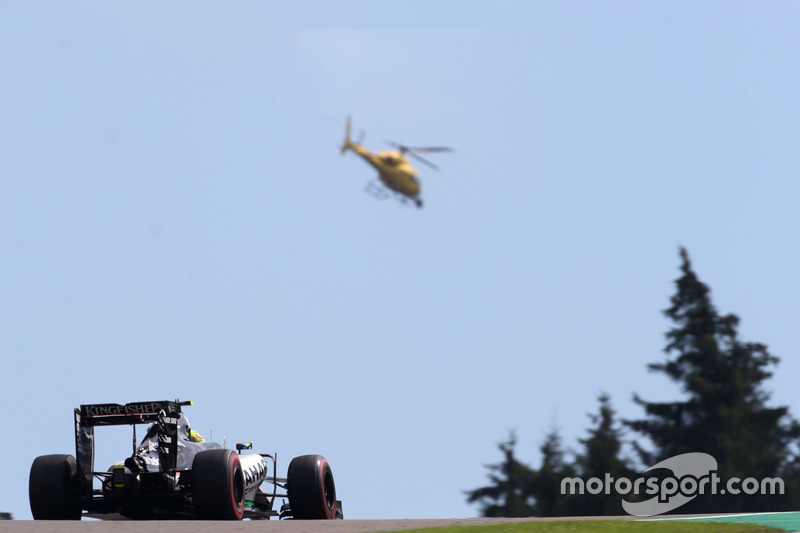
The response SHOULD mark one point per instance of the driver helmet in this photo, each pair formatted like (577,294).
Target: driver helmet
(193,436)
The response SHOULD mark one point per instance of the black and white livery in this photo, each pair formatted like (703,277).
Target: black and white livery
(174,473)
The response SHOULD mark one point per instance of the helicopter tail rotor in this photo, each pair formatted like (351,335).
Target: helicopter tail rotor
(348,144)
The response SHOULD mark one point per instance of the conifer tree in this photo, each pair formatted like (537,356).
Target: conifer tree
(508,494)
(725,412)
(602,458)
(545,483)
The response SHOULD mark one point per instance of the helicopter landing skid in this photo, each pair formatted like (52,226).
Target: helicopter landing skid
(376,190)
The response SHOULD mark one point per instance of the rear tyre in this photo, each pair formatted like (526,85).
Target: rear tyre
(54,488)
(218,485)
(311,490)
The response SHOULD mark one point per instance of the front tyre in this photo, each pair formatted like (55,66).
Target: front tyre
(54,488)
(218,485)
(311,490)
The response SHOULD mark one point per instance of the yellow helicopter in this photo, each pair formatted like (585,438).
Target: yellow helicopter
(394,168)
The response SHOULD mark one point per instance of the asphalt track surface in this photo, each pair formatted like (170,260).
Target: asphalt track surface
(254,526)
(786,521)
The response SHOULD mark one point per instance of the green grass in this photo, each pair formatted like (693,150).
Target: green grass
(606,526)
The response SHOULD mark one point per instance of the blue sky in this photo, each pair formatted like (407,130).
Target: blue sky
(176,221)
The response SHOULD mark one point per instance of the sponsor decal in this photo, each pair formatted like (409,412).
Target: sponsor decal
(115,409)
(255,473)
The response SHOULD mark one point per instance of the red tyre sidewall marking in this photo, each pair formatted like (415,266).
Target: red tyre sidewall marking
(321,465)
(234,463)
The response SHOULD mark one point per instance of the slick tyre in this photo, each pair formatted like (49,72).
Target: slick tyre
(54,488)
(218,485)
(311,490)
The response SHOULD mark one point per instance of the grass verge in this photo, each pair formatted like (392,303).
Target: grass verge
(606,526)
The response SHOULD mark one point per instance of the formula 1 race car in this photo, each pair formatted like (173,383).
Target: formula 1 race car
(174,473)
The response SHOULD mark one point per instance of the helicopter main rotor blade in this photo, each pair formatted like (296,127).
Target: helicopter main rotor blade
(403,148)
(421,159)
(429,149)
(412,151)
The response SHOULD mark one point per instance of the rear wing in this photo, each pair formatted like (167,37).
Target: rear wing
(114,414)
(163,413)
